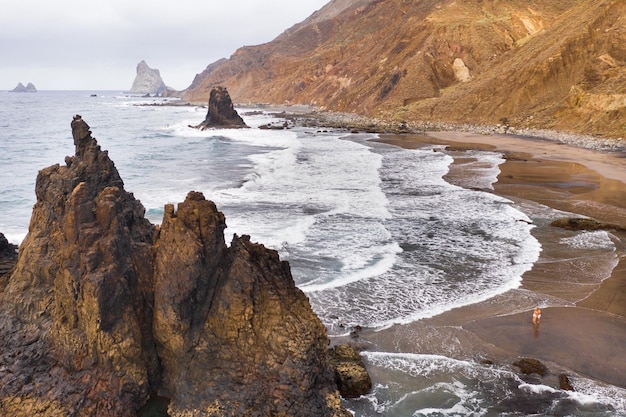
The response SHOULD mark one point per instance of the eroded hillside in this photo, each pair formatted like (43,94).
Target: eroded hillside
(548,64)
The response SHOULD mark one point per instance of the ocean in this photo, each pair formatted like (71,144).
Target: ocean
(374,233)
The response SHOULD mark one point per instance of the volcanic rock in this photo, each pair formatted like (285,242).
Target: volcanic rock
(564,383)
(531,366)
(147,81)
(221,113)
(19,88)
(350,373)
(581,223)
(104,310)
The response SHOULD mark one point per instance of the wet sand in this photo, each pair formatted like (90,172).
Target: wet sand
(583,327)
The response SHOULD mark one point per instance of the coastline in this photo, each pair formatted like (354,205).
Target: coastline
(583,329)
(557,160)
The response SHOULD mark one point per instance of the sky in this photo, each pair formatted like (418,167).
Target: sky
(97,44)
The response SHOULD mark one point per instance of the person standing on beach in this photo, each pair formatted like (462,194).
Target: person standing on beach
(536,316)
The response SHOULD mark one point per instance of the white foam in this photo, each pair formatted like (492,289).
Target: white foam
(429,384)
(13,237)
(486,168)
(459,247)
(308,202)
(375,267)
(537,388)
(590,241)
(588,392)
(437,385)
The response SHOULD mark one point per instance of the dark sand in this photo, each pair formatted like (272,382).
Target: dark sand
(583,329)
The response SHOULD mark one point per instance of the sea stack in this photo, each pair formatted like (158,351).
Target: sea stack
(222,113)
(147,81)
(104,310)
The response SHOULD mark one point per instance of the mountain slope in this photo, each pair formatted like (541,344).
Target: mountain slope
(557,64)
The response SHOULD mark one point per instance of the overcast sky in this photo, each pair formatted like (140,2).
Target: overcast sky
(97,44)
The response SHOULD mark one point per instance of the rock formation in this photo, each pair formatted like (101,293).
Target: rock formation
(583,223)
(564,383)
(352,378)
(105,310)
(19,88)
(221,113)
(529,366)
(556,65)
(147,81)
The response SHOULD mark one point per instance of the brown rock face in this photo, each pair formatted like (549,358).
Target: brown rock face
(531,366)
(104,309)
(221,112)
(350,373)
(80,294)
(557,64)
(227,317)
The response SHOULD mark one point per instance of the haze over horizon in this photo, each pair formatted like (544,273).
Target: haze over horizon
(66,45)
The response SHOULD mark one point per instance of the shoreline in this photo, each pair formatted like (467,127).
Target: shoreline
(583,329)
(320,117)
(313,116)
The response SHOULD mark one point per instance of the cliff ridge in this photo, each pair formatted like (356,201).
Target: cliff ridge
(557,65)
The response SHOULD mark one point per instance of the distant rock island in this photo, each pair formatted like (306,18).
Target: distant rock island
(104,312)
(148,81)
(30,88)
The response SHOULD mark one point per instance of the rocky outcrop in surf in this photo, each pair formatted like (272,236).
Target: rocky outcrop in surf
(105,310)
(351,375)
(221,113)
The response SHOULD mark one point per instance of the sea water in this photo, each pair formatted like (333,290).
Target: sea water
(374,234)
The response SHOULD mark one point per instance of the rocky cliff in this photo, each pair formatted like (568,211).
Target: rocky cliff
(558,64)
(105,310)
(147,80)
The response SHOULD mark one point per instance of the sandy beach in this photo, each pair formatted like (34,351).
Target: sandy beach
(583,326)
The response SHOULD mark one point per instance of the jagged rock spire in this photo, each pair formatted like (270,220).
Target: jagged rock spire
(105,310)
